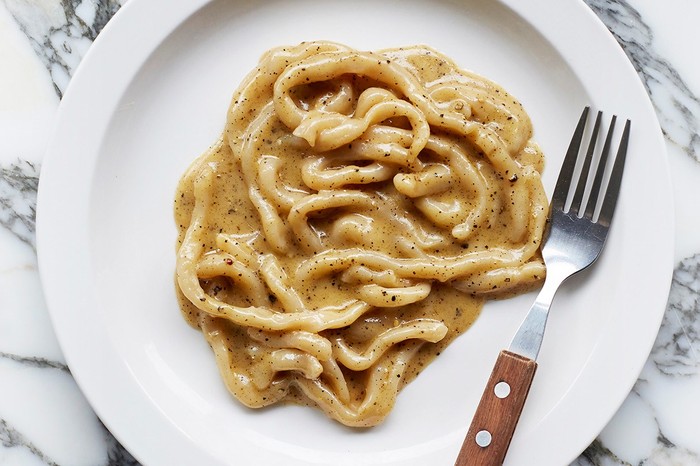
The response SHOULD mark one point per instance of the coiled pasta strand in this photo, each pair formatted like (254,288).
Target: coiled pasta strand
(356,212)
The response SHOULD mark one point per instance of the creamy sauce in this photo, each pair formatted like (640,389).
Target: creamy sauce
(356,213)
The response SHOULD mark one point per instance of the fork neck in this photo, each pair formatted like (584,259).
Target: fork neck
(528,338)
(555,277)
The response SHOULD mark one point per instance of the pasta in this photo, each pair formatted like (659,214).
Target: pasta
(350,222)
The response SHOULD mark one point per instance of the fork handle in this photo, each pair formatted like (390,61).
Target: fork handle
(498,412)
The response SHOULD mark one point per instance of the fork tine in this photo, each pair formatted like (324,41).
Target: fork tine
(613,189)
(602,162)
(577,201)
(561,190)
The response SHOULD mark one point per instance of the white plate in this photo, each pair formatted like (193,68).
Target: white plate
(152,94)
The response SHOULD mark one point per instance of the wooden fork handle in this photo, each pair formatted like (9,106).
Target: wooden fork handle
(498,412)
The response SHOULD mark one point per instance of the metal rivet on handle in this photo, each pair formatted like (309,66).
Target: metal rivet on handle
(502,389)
(483,438)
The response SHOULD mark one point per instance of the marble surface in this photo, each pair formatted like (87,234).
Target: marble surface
(44,419)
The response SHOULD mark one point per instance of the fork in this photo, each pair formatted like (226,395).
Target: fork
(575,237)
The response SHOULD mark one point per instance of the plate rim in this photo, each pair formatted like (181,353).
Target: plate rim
(83,79)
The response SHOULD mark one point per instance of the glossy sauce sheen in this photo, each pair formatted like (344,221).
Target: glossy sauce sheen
(355,215)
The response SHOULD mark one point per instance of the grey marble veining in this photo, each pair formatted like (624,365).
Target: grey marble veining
(12,438)
(32,361)
(675,353)
(664,453)
(18,188)
(116,454)
(676,105)
(61,32)
(18,193)
(677,348)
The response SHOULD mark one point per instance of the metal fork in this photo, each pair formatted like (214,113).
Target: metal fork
(574,240)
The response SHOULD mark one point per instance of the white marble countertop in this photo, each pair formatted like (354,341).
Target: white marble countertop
(44,418)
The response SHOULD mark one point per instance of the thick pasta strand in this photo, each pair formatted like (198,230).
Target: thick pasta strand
(356,213)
